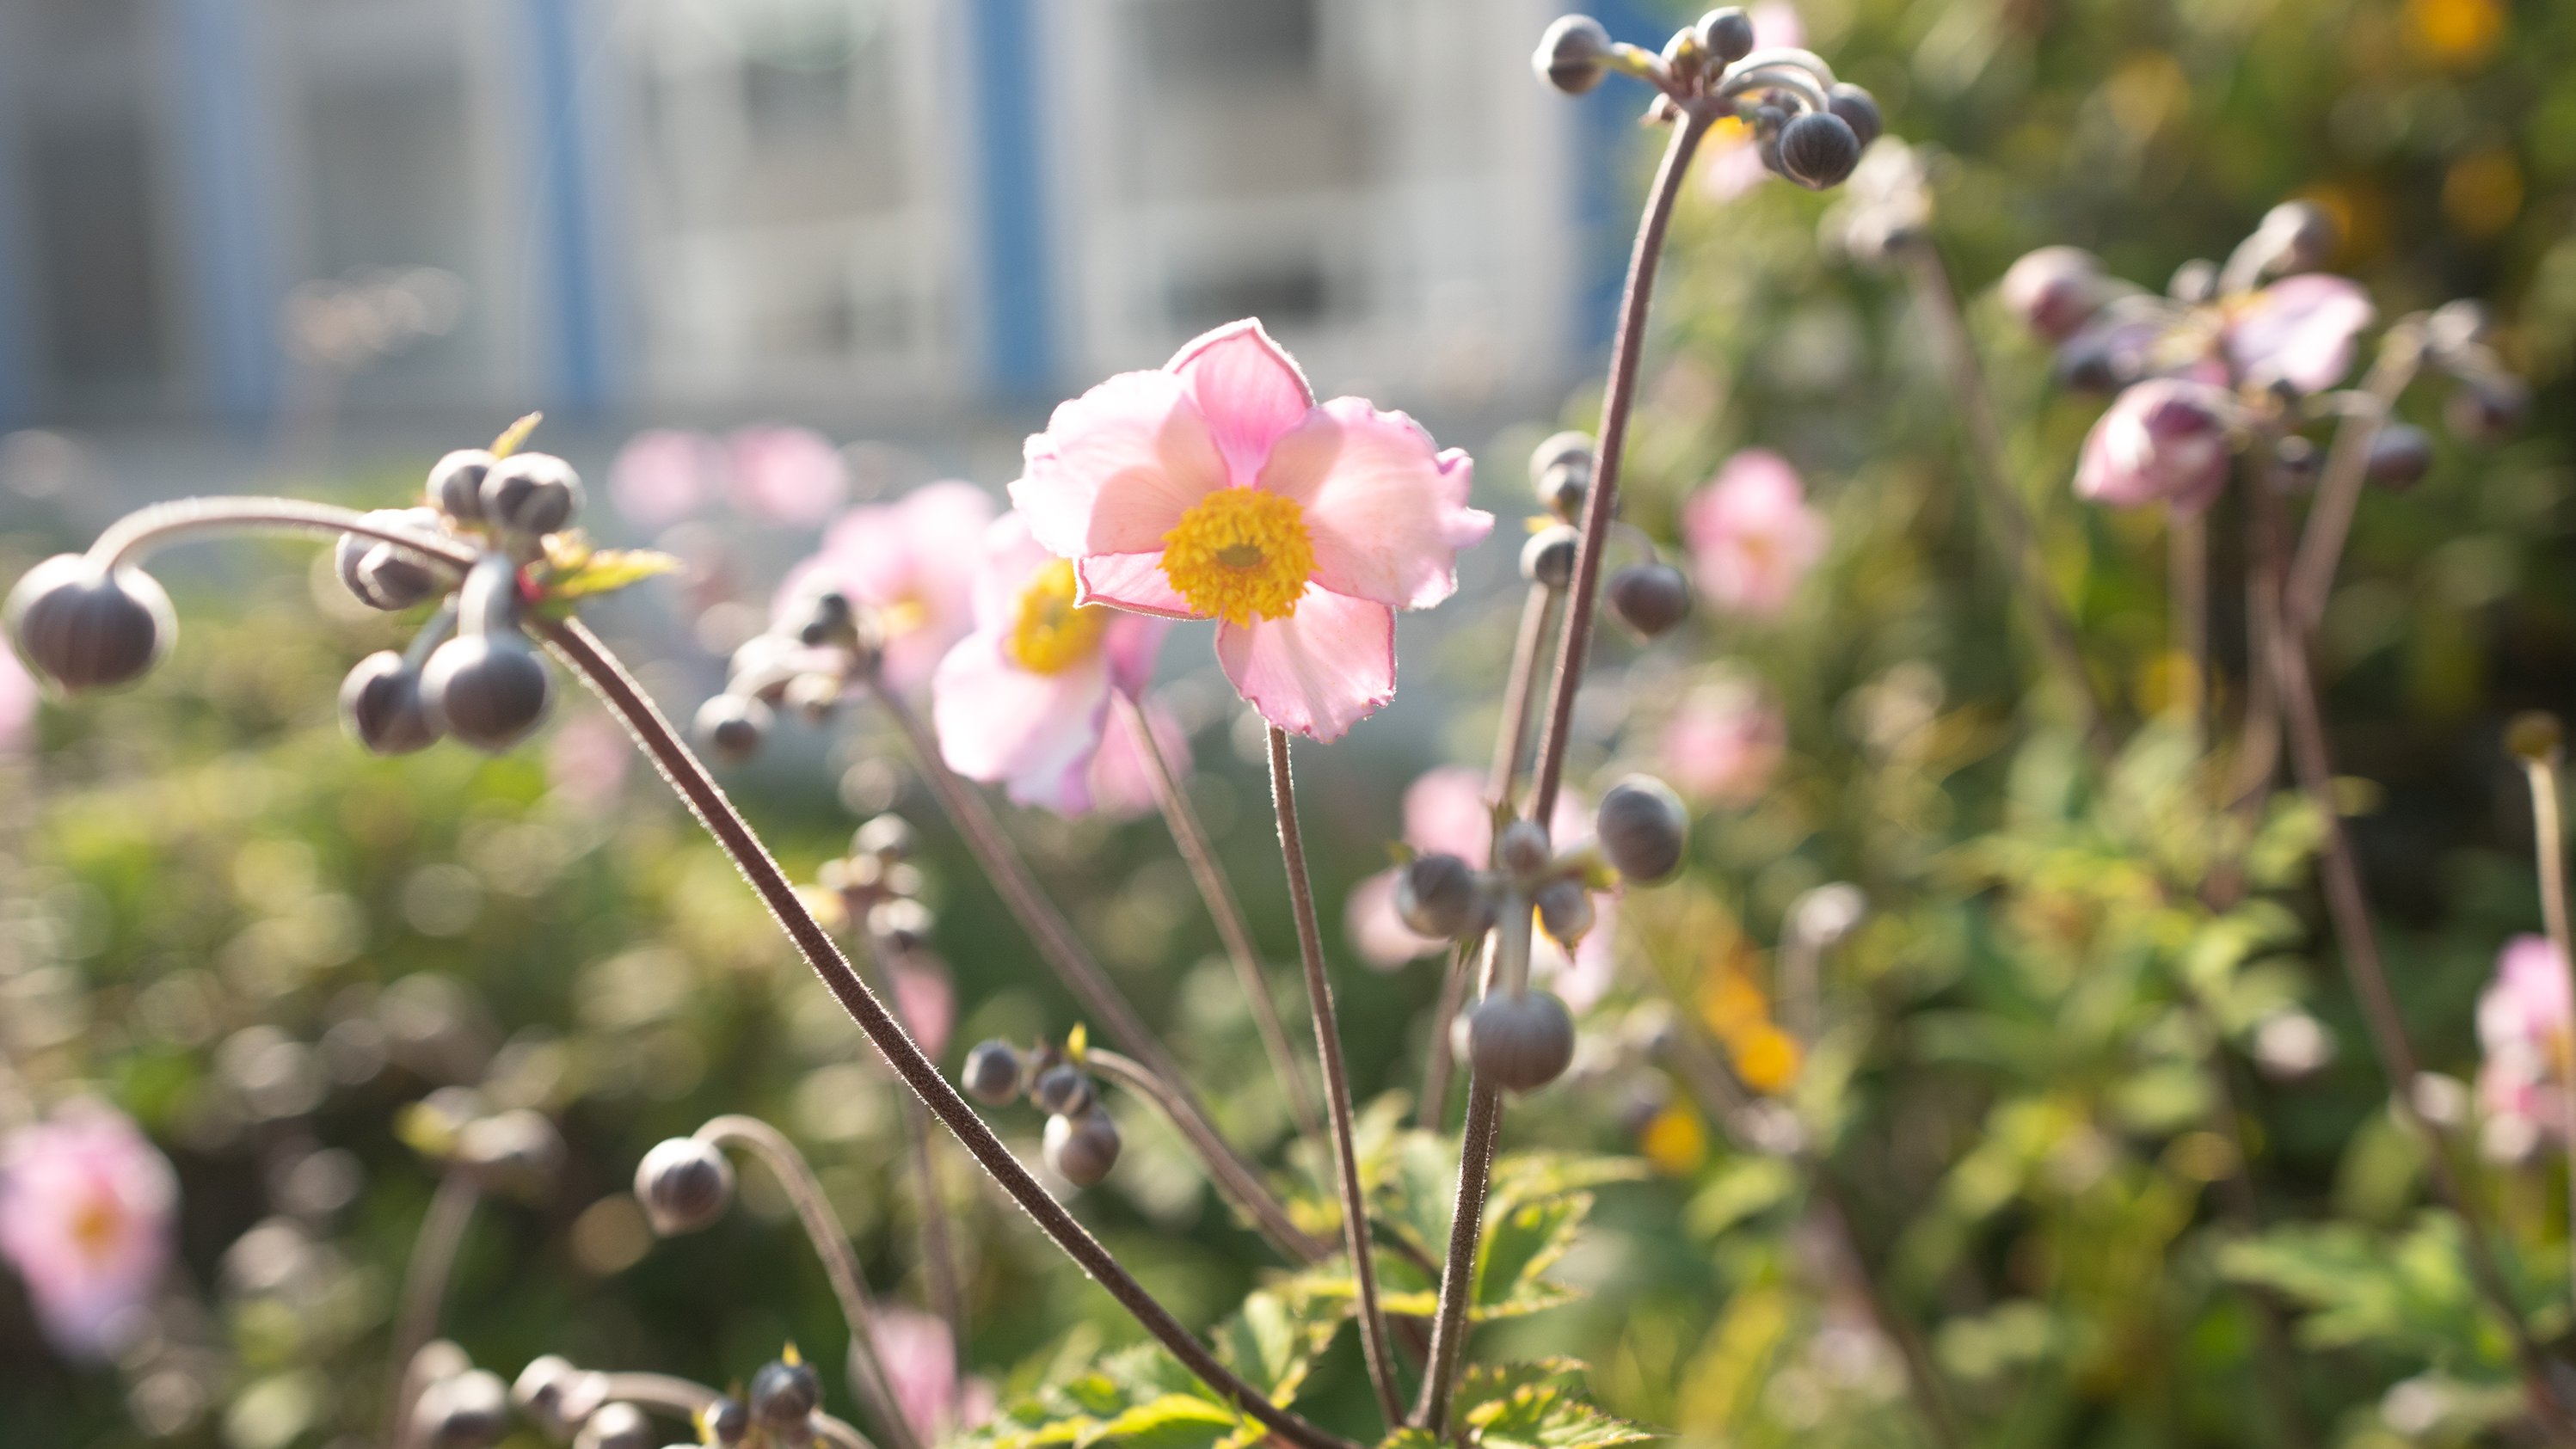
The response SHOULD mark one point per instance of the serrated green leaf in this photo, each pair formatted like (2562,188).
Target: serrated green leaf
(1548,1416)
(1174,1421)
(1522,1242)
(1273,1341)
(607,570)
(1408,1439)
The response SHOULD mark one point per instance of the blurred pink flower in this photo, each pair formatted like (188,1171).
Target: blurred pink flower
(1219,488)
(2161,441)
(787,475)
(17,704)
(87,1209)
(2524,1027)
(1024,699)
(2299,330)
(663,475)
(1445,813)
(925,1000)
(1725,741)
(920,1359)
(912,562)
(1751,535)
(1730,160)
(587,759)
(1121,788)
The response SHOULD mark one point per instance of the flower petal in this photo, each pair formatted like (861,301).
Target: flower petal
(1009,559)
(1118,466)
(1248,388)
(1446,813)
(1319,671)
(1129,646)
(1033,733)
(1378,936)
(2299,329)
(1386,510)
(1131,581)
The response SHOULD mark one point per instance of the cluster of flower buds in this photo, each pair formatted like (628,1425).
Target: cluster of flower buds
(878,886)
(1650,597)
(1810,128)
(816,647)
(572,1405)
(515,1152)
(454,1405)
(1081,1143)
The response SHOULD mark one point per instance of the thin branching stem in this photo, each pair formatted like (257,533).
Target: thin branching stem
(2549,837)
(433,1262)
(1511,738)
(1439,1065)
(2347,471)
(1477,1140)
(1241,1186)
(2187,617)
(1337,1085)
(148,528)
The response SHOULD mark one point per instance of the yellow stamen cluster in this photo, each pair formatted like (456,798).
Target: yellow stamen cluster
(1240,554)
(1052,632)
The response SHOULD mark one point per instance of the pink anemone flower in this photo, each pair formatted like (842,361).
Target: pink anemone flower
(1445,813)
(786,474)
(1025,698)
(17,703)
(660,476)
(2300,330)
(1218,488)
(87,1210)
(912,563)
(2527,1030)
(1751,534)
(1725,742)
(920,1359)
(2161,441)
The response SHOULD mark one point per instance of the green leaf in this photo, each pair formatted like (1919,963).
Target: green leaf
(1540,1407)
(1174,1421)
(605,571)
(1520,1244)
(1273,1341)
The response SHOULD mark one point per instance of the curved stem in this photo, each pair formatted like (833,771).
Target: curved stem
(2187,613)
(582,652)
(1337,1084)
(433,1261)
(1513,735)
(1438,1067)
(1190,839)
(149,528)
(1240,1186)
(2347,470)
(2549,836)
(831,1244)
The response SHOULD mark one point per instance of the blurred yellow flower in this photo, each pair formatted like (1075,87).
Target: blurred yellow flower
(1766,1058)
(1674,1141)
(2456,32)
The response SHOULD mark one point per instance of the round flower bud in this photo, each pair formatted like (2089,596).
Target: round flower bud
(616,1426)
(2456,326)
(1859,110)
(2534,734)
(380,705)
(85,627)
(2195,281)
(1727,33)
(1082,1149)
(491,690)
(1548,557)
(890,838)
(1826,916)
(1441,896)
(726,1422)
(2484,409)
(2295,464)
(1818,150)
(1573,55)
(1565,911)
(732,726)
(383,575)
(2304,234)
(821,617)
(531,494)
(556,1395)
(904,926)
(1561,473)
(992,1074)
(513,1151)
(470,1410)
(784,1395)
(1518,1043)
(1064,1090)
(684,1185)
(2400,456)
(1523,849)
(2055,291)
(1643,828)
(456,484)
(1650,597)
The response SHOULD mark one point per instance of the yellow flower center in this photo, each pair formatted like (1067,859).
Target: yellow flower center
(901,616)
(1052,631)
(1240,554)
(96,1225)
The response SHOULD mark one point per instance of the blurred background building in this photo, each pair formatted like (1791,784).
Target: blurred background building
(864,214)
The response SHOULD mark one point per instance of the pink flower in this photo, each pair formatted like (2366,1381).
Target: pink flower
(1752,535)
(587,759)
(787,475)
(912,563)
(2299,330)
(17,703)
(660,476)
(1445,813)
(920,1359)
(1731,161)
(86,1217)
(1024,699)
(1217,488)
(925,1000)
(1121,788)
(1725,742)
(2524,1027)
(2162,441)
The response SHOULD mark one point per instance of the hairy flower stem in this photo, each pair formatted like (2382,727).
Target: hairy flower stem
(831,1244)
(1189,837)
(681,1398)
(2187,617)
(582,652)
(1506,962)
(2347,471)
(1439,1064)
(2007,522)
(2549,836)
(148,528)
(433,1261)
(1241,1187)
(1337,1085)
(1512,737)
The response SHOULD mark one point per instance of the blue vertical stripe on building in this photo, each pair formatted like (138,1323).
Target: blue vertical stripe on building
(232,279)
(18,340)
(1018,300)
(568,274)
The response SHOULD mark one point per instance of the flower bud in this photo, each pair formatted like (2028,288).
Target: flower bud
(1565,911)
(1523,849)
(616,1426)
(530,494)
(470,1410)
(2400,456)
(513,1151)
(2484,409)
(1548,557)
(85,627)
(889,838)
(2535,735)
(1561,473)
(456,484)
(1442,897)
(2194,282)
(380,705)
(2055,291)
(725,1422)
(1859,110)
(821,617)
(2456,326)
(1082,1149)
(1518,1043)
(1650,598)
(383,575)
(784,1395)
(1573,54)
(556,1395)
(491,690)
(2295,464)
(684,1184)
(2303,233)
(903,925)
(992,1074)
(1826,916)
(1818,150)
(1064,1090)
(732,726)
(1642,828)
(1727,33)
(2162,441)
